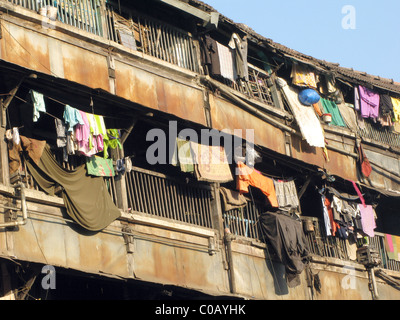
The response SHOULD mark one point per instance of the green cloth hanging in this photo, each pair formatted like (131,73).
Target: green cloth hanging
(86,198)
(331,107)
(100,167)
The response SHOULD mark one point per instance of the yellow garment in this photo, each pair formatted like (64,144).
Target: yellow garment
(396,108)
(303,76)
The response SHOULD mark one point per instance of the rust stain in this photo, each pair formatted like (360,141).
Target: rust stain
(169,264)
(338,164)
(166,264)
(25,48)
(227,116)
(85,67)
(332,288)
(159,93)
(135,85)
(184,102)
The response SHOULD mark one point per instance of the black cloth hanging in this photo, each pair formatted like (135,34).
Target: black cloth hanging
(209,55)
(385,104)
(286,236)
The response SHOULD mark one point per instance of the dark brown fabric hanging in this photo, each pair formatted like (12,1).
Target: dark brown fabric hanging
(286,236)
(86,198)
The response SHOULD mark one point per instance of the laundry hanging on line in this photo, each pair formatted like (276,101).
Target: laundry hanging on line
(286,194)
(232,199)
(38,104)
(206,163)
(303,76)
(86,198)
(229,62)
(100,167)
(84,133)
(285,235)
(392,246)
(368,102)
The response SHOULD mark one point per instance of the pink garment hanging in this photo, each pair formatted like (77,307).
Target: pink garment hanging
(359,193)
(368,219)
(369,103)
(82,131)
(82,136)
(389,242)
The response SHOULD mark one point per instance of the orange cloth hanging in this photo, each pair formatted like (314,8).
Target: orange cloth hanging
(250,177)
(334,225)
(317,109)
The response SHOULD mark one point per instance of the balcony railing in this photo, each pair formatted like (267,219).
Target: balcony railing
(83,14)
(378,242)
(159,195)
(167,197)
(382,135)
(256,88)
(244,221)
(328,246)
(152,37)
(322,245)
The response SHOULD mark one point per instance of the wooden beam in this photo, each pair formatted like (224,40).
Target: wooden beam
(126,134)
(208,18)
(305,186)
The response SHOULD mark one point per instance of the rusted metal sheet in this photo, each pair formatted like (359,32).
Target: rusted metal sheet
(257,277)
(159,93)
(227,116)
(187,264)
(180,100)
(387,175)
(25,48)
(38,52)
(85,67)
(339,164)
(344,284)
(49,240)
(135,85)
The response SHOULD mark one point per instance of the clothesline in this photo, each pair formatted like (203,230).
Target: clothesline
(32,106)
(57,101)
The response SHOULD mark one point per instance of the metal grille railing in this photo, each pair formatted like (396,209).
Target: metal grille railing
(156,194)
(378,243)
(152,37)
(256,88)
(327,246)
(322,245)
(83,14)
(380,134)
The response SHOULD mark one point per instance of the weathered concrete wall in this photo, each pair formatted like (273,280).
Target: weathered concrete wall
(49,238)
(175,254)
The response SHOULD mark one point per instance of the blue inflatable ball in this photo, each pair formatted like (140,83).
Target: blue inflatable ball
(308,97)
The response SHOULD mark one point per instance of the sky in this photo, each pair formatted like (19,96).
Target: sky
(358,34)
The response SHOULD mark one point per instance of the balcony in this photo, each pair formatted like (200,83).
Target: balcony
(168,198)
(83,14)
(188,204)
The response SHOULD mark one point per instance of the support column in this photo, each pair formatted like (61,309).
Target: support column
(7,292)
